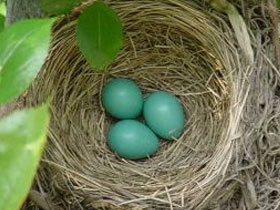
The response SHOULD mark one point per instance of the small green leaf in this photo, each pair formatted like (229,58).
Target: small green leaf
(22,139)
(99,35)
(60,7)
(2,22)
(278,4)
(23,48)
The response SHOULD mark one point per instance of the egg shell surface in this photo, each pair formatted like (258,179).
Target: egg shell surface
(132,140)
(122,98)
(164,114)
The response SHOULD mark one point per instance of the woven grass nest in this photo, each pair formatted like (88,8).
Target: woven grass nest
(171,45)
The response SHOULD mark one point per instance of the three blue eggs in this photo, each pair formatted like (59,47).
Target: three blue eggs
(162,111)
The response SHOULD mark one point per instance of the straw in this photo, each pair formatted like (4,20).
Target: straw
(172,45)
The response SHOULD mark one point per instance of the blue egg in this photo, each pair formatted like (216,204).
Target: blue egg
(132,140)
(164,114)
(122,98)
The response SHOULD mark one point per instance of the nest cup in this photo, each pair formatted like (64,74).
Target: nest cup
(171,45)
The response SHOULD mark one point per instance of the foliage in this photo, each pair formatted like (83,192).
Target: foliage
(2,9)
(99,35)
(2,16)
(2,22)
(23,48)
(22,138)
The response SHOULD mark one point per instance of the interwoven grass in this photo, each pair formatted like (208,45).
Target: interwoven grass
(171,45)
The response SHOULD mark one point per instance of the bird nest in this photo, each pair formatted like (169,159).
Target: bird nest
(171,45)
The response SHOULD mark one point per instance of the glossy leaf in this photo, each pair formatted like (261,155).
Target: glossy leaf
(56,7)
(23,48)
(99,35)
(22,138)
(2,22)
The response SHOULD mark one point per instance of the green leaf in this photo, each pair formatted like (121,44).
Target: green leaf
(22,139)
(56,7)
(23,48)
(2,22)
(99,35)
(278,4)
(2,8)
